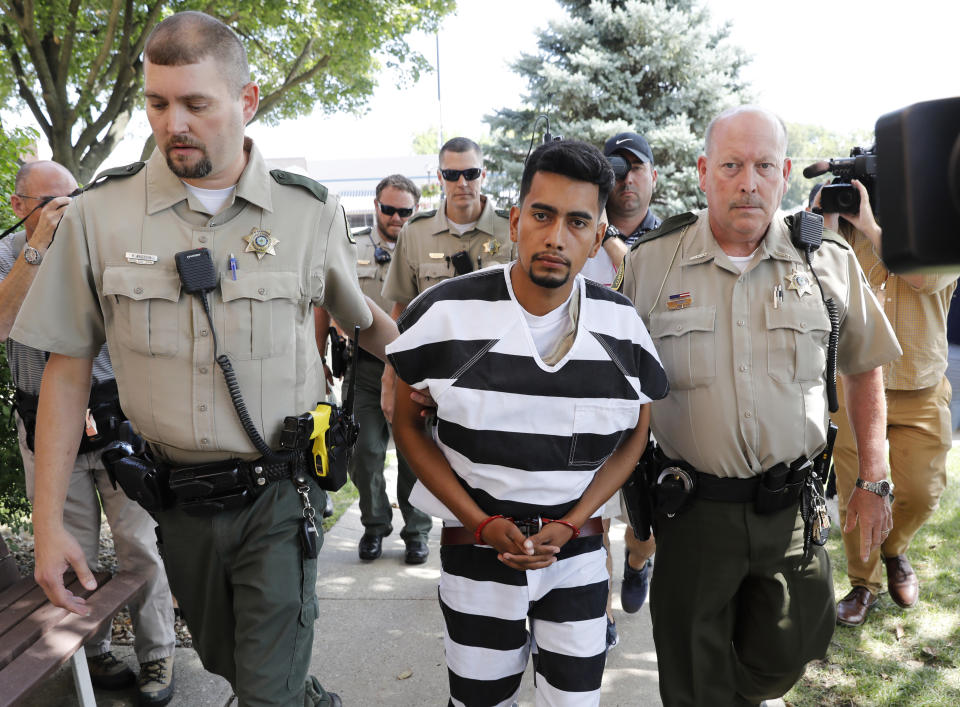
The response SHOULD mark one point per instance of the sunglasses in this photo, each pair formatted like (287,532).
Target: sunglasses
(391,210)
(453,175)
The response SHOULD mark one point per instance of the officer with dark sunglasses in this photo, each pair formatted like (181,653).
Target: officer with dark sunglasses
(397,198)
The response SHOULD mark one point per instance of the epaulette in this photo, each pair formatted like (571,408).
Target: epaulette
(668,226)
(502,213)
(125,171)
(430,213)
(298,180)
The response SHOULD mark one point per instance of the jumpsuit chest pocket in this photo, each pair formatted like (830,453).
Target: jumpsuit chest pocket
(797,338)
(146,308)
(592,441)
(260,314)
(686,342)
(432,273)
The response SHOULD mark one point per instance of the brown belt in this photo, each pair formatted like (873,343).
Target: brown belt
(458,535)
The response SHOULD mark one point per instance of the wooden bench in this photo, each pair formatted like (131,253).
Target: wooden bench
(36,637)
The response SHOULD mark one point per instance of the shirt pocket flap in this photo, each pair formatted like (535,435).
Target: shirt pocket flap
(366,272)
(682,321)
(800,319)
(261,286)
(435,270)
(141,283)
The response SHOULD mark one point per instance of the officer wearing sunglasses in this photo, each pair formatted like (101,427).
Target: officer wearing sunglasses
(397,198)
(465,234)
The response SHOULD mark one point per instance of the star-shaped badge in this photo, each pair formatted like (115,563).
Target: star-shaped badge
(800,282)
(492,246)
(260,242)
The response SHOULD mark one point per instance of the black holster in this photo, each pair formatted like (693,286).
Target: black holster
(781,485)
(638,495)
(140,477)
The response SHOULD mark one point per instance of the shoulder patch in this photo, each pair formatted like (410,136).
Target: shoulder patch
(668,226)
(107,174)
(618,280)
(502,213)
(430,213)
(298,180)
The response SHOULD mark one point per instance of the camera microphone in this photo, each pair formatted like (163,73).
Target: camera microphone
(816,169)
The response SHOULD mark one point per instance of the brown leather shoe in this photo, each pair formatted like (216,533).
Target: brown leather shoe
(902,582)
(852,609)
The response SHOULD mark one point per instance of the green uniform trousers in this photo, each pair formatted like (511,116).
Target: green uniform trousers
(366,464)
(248,594)
(737,613)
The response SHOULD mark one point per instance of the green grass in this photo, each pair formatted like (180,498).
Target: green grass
(899,657)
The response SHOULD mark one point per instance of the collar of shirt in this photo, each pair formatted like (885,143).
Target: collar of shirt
(486,222)
(702,247)
(164,188)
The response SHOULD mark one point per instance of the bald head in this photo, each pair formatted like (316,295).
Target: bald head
(36,183)
(731,114)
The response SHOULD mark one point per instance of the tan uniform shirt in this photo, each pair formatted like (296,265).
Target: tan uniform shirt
(369,271)
(425,244)
(918,316)
(88,290)
(746,370)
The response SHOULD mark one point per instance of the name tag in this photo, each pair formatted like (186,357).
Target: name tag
(141,258)
(436,255)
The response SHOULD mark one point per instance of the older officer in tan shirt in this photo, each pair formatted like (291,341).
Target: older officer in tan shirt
(738,610)
(244,575)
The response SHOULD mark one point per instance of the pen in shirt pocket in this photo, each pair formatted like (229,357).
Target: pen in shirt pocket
(233,266)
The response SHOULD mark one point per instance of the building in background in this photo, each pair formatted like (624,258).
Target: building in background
(355,180)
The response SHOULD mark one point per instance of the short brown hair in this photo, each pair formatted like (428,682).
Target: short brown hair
(398,181)
(189,37)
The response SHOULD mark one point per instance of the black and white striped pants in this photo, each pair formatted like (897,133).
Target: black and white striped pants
(486,606)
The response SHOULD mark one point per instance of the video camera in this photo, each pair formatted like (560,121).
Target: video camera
(840,196)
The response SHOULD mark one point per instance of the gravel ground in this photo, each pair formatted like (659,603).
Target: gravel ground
(21,545)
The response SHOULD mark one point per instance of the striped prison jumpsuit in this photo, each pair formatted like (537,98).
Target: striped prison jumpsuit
(525,439)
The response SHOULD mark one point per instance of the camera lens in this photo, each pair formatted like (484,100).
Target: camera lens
(845,199)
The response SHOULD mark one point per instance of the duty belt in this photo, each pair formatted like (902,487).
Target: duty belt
(205,489)
(457,535)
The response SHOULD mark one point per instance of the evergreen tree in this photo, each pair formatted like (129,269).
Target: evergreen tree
(655,67)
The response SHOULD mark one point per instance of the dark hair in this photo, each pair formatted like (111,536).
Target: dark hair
(460,144)
(570,158)
(189,37)
(398,181)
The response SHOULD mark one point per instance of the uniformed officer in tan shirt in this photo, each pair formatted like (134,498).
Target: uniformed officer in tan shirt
(397,199)
(466,233)
(243,578)
(738,319)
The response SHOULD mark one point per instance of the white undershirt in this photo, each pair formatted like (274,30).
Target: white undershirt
(547,330)
(742,261)
(461,228)
(213,200)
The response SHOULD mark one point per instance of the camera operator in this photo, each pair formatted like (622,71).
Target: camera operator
(89,486)
(918,416)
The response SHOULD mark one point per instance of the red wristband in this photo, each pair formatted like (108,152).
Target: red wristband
(575,529)
(479,530)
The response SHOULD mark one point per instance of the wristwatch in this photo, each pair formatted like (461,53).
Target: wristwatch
(881,488)
(32,255)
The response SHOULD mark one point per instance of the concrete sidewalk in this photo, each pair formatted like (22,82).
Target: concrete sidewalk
(379,635)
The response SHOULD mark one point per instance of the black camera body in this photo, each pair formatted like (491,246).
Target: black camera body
(840,196)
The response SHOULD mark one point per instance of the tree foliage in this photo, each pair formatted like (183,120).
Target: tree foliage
(656,67)
(78,66)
